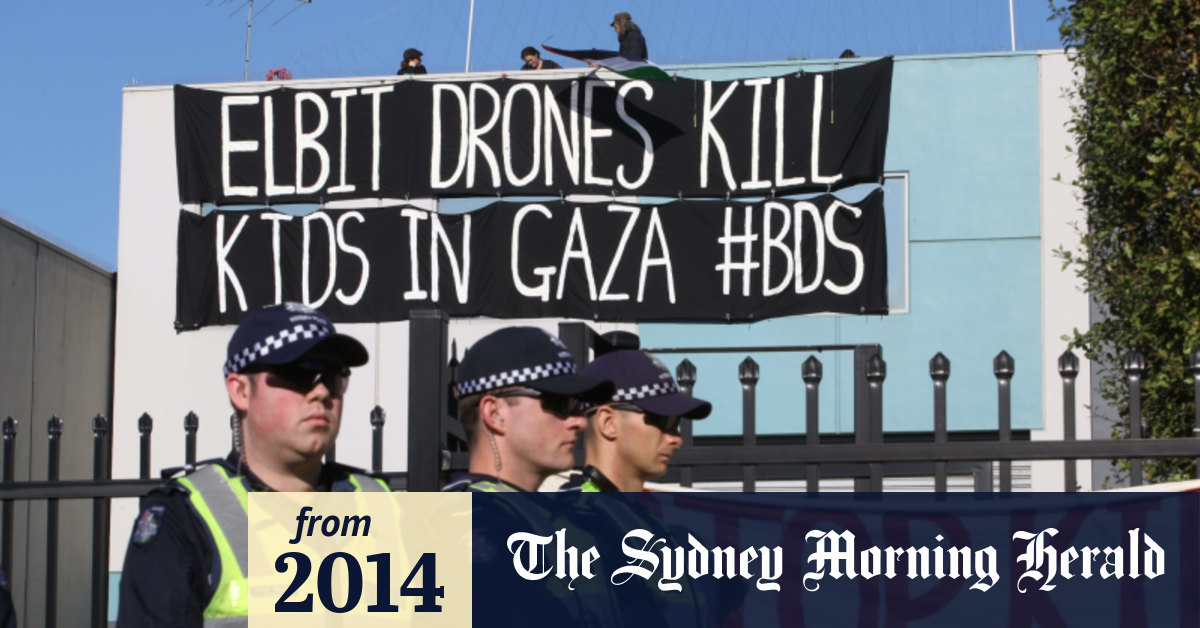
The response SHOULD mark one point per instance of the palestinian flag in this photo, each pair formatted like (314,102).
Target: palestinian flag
(625,66)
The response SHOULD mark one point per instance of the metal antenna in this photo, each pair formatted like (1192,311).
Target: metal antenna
(250,25)
(470,28)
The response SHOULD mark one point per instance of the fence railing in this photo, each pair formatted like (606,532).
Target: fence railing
(941,450)
(869,449)
(435,442)
(866,428)
(102,489)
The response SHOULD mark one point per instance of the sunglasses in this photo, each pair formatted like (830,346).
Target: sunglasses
(667,424)
(305,375)
(559,405)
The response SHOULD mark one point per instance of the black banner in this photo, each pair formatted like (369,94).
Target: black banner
(409,139)
(685,260)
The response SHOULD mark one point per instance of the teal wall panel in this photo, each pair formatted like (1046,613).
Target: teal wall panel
(965,130)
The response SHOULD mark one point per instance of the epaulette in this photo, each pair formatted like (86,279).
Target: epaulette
(347,470)
(173,473)
(168,488)
(574,483)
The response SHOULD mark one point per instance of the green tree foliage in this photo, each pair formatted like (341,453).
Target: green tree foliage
(1137,123)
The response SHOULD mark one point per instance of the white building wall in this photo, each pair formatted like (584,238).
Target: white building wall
(1064,304)
(168,374)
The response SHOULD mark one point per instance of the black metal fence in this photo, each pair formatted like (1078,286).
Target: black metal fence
(867,456)
(869,448)
(436,446)
(102,489)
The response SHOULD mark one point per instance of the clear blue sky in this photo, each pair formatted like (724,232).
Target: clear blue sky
(65,62)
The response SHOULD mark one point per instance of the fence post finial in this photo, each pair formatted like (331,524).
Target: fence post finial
(812,370)
(748,372)
(99,426)
(1068,364)
(1134,363)
(939,367)
(1003,365)
(876,369)
(191,422)
(685,374)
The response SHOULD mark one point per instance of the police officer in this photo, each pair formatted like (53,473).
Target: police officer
(630,439)
(632,435)
(286,373)
(519,402)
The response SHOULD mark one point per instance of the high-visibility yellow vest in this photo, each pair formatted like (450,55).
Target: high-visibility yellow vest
(221,501)
(488,486)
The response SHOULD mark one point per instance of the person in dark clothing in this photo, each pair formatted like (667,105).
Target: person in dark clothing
(8,612)
(534,61)
(630,439)
(286,373)
(631,436)
(519,403)
(633,44)
(412,62)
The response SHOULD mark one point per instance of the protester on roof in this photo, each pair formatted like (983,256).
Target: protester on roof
(534,61)
(412,62)
(633,44)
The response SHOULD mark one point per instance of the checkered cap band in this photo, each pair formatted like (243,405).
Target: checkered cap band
(274,342)
(644,391)
(512,378)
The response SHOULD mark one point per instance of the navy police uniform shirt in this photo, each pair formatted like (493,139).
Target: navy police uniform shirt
(548,603)
(479,482)
(596,482)
(171,563)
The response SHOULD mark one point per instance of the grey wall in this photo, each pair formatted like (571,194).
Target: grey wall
(56,354)
(1104,419)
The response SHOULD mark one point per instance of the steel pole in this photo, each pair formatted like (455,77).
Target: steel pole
(1012,26)
(470,30)
(249,22)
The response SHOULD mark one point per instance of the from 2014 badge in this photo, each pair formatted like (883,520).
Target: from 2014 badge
(380,557)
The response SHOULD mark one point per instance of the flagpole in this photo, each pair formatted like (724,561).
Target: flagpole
(470,28)
(1012,26)
(249,21)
